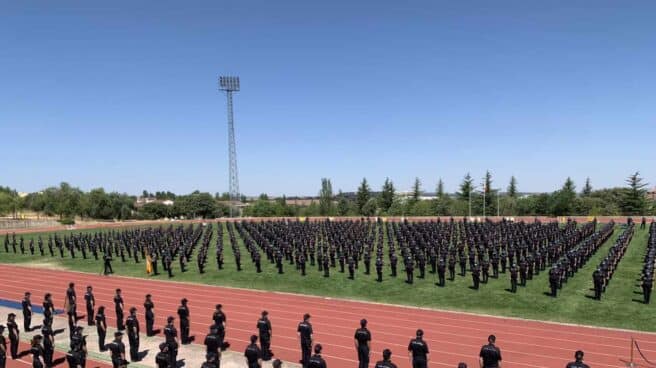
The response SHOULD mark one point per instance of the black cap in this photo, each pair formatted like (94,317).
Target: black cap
(363,322)
(387,353)
(2,327)
(148,295)
(133,309)
(265,313)
(420,332)
(306,316)
(118,333)
(11,315)
(578,355)
(170,319)
(492,338)
(219,306)
(462,365)
(184,300)
(318,348)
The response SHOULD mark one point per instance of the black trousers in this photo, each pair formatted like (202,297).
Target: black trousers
(440,275)
(13,346)
(184,331)
(134,347)
(419,363)
(150,321)
(3,361)
(306,347)
(90,315)
(554,288)
(48,351)
(363,356)
(513,285)
(646,293)
(119,320)
(265,345)
(27,321)
(108,268)
(101,339)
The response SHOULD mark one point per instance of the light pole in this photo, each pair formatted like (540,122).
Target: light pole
(229,85)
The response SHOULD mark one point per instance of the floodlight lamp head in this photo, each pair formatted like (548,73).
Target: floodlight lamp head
(228,83)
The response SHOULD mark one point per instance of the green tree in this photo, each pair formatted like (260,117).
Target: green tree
(369,208)
(490,207)
(326,198)
(342,204)
(387,195)
(442,201)
(416,191)
(512,187)
(466,187)
(363,195)
(634,200)
(587,189)
(562,202)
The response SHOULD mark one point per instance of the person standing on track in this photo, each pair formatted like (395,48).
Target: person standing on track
(220,322)
(183,314)
(48,343)
(101,327)
(119,307)
(578,362)
(117,349)
(26,305)
(71,299)
(305,335)
(418,351)
(362,340)
(317,361)
(3,348)
(212,342)
(48,308)
(171,335)
(91,304)
(490,355)
(387,360)
(264,327)
(150,316)
(253,354)
(14,335)
(132,324)
(37,352)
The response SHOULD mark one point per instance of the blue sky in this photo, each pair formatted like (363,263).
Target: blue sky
(123,94)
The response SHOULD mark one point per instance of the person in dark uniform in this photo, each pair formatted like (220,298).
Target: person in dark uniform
(107,262)
(490,355)
(117,349)
(316,361)
(253,354)
(119,307)
(264,328)
(48,343)
(3,347)
(305,335)
(476,275)
(150,315)
(513,278)
(553,280)
(362,339)
(26,305)
(597,279)
(91,304)
(351,267)
(418,351)
(14,335)
(162,358)
(387,360)
(462,261)
(77,355)
(326,266)
(71,301)
(441,271)
(647,286)
(379,269)
(183,314)
(211,342)
(167,262)
(409,270)
(393,262)
(578,361)
(277,363)
(258,264)
(220,323)
(132,324)
(171,336)
(101,327)
(301,264)
(37,352)
(452,268)
(48,307)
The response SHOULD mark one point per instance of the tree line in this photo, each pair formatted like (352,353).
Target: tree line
(67,202)
(468,200)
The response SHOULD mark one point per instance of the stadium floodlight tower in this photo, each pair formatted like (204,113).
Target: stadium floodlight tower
(229,85)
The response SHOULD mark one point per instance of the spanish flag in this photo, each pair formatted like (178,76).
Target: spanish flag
(149,265)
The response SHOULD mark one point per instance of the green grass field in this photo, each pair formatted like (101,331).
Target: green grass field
(620,306)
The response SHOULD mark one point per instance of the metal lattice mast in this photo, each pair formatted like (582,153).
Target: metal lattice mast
(230,85)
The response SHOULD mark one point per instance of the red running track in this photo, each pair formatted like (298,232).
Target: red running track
(453,337)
